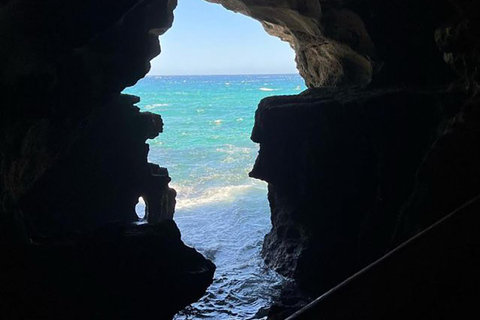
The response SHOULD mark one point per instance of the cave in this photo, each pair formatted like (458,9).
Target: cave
(206,146)
(372,171)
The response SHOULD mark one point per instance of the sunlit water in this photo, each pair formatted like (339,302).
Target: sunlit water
(220,211)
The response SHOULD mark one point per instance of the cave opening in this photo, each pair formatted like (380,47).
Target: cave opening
(380,151)
(141,209)
(207,98)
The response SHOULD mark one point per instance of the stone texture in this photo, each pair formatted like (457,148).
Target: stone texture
(459,40)
(66,130)
(73,163)
(348,169)
(353,173)
(331,48)
(348,43)
(449,175)
(432,276)
(340,164)
(115,272)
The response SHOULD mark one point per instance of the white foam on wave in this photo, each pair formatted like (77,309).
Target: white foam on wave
(156,105)
(233,150)
(214,195)
(228,160)
(267,89)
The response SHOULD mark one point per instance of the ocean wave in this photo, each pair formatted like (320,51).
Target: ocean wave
(231,149)
(156,105)
(228,160)
(267,89)
(182,189)
(221,194)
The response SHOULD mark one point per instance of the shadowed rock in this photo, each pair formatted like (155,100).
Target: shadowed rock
(73,163)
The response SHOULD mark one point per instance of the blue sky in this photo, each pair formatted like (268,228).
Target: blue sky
(208,39)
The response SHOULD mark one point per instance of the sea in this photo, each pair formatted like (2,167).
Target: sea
(220,211)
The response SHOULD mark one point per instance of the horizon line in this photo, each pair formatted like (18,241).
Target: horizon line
(220,74)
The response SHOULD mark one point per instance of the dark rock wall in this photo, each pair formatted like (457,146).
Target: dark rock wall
(332,48)
(73,163)
(431,276)
(354,168)
(358,41)
(354,172)
(66,130)
(340,164)
(449,175)
(116,272)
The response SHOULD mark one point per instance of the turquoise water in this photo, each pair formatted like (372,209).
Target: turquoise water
(220,211)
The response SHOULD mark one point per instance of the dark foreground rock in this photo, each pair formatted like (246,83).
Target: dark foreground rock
(433,275)
(340,165)
(348,169)
(134,272)
(290,300)
(353,173)
(73,164)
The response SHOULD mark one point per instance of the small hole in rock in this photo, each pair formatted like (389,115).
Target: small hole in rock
(140,208)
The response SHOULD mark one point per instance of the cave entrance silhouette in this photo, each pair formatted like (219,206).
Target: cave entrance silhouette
(208,118)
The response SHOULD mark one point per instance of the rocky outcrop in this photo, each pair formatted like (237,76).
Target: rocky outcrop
(449,175)
(116,272)
(66,130)
(339,54)
(73,164)
(355,171)
(337,162)
(431,276)
(344,43)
